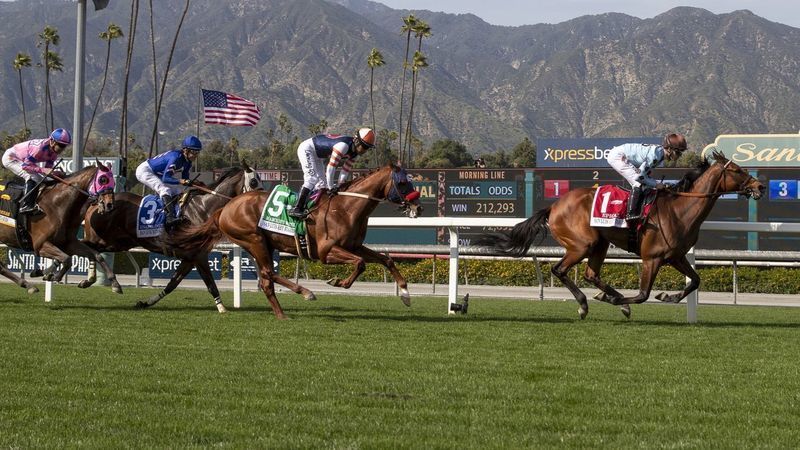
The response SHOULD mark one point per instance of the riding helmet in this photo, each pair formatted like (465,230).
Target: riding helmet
(367,136)
(61,136)
(192,143)
(675,141)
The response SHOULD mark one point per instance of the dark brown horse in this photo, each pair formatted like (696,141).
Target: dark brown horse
(668,232)
(116,232)
(337,227)
(54,234)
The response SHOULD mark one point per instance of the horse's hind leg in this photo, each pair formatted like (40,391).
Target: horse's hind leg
(371,256)
(183,269)
(561,270)
(683,266)
(592,275)
(4,271)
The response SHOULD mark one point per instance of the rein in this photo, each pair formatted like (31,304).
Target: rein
(72,185)
(711,194)
(356,194)
(212,192)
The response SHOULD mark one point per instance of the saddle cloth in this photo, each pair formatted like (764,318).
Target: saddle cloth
(609,207)
(10,195)
(275,215)
(151,218)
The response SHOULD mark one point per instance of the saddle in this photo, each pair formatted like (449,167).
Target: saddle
(610,206)
(275,216)
(10,194)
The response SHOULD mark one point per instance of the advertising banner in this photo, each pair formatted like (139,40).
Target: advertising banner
(758,150)
(588,152)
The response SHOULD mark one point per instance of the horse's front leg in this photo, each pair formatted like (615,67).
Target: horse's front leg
(208,279)
(592,275)
(371,256)
(183,269)
(81,249)
(49,250)
(683,266)
(650,269)
(294,287)
(338,255)
(91,275)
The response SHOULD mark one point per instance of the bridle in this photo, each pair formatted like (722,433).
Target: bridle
(394,196)
(725,170)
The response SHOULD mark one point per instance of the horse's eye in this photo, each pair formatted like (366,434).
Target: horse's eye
(103,179)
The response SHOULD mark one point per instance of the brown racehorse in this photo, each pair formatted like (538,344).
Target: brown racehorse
(116,232)
(337,227)
(669,231)
(54,234)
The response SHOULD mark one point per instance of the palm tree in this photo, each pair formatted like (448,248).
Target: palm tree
(123,127)
(155,66)
(419,62)
(408,27)
(20,61)
(54,64)
(112,32)
(421,30)
(166,75)
(48,36)
(375,59)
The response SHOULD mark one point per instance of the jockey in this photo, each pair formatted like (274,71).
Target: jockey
(168,173)
(23,160)
(635,162)
(333,150)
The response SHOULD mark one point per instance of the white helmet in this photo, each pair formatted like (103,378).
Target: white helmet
(367,136)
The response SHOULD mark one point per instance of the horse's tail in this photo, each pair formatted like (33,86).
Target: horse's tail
(197,237)
(521,238)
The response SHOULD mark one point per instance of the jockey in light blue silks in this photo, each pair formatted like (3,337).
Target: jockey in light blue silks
(334,150)
(168,173)
(635,162)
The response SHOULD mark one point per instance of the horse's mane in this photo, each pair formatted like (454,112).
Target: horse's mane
(685,184)
(356,181)
(228,174)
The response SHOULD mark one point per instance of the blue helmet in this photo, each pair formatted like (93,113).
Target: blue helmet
(61,136)
(192,143)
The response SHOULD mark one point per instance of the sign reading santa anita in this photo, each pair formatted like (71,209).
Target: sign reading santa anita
(758,150)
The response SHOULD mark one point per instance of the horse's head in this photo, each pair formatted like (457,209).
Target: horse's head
(734,178)
(251,180)
(102,188)
(402,192)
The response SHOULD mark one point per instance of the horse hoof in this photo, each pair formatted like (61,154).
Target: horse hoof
(36,273)
(221,308)
(333,281)
(141,305)
(599,296)
(582,313)
(310,296)
(117,289)
(661,296)
(33,290)
(405,297)
(48,277)
(84,284)
(626,311)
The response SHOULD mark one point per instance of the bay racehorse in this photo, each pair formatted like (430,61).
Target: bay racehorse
(54,234)
(116,232)
(668,232)
(336,228)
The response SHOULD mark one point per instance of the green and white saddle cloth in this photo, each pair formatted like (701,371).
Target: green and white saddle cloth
(275,216)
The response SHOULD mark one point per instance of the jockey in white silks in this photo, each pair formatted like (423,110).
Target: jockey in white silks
(636,161)
(333,150)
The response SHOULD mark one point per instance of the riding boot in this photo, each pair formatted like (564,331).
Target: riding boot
(299,211)
(28,204)
(169,212)
(635,204)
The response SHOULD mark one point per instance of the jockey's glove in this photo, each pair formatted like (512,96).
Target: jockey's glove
(662,186)
(333,191)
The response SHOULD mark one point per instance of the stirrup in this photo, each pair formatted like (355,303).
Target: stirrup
(32,211)
(298,214)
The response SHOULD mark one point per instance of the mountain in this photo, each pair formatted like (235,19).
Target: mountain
(487,86)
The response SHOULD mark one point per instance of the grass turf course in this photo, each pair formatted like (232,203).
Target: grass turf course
(89,371)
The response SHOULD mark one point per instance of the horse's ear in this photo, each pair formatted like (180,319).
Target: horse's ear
(245,166)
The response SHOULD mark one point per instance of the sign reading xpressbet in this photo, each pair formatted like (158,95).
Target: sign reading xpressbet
(758,150)
(589,152)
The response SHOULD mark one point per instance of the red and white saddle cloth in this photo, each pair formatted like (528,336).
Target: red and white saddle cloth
(609,207)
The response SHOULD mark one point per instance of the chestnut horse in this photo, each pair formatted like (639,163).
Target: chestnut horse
(668,232)
(336,229)
(54,234)
(116,232)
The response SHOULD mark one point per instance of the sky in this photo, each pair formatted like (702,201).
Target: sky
(529,12)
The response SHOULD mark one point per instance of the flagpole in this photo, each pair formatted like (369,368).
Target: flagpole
(199,108)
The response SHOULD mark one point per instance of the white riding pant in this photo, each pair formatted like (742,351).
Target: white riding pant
(11,163)
(313,166)
(145,174)
(617,160)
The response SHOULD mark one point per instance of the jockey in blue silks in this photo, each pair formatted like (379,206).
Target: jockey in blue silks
(635,162)
(168,173)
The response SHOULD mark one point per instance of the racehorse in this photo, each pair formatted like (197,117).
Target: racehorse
(336,228)
(54,234)
(668,232)
(116,232)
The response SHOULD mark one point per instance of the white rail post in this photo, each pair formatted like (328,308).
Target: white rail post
(48,285)
(237,277)
(691,299)
(452,296)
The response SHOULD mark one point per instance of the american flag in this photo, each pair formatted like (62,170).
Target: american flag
(228,109)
